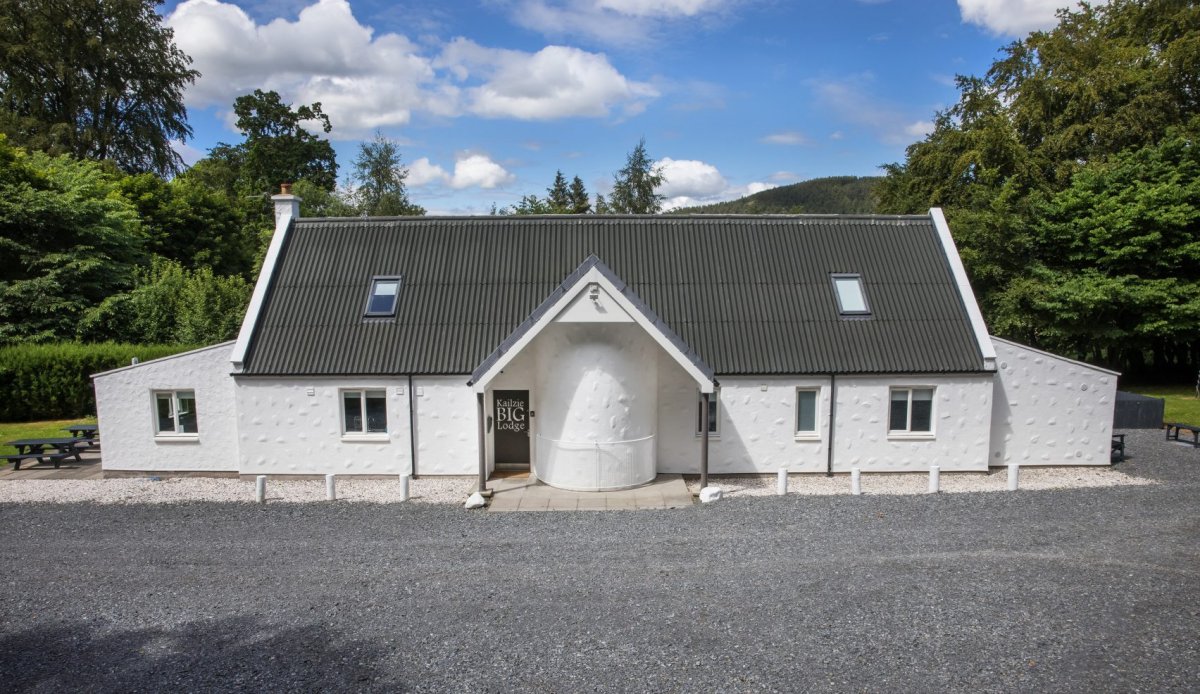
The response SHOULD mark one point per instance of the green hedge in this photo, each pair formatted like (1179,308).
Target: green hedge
(53,381)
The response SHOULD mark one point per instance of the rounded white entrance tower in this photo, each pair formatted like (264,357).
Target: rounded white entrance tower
(597,408)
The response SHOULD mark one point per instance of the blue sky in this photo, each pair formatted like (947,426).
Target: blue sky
(489,97)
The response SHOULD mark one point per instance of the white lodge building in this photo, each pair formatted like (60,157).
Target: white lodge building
(600,350)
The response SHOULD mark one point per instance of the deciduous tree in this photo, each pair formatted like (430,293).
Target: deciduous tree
(96,79)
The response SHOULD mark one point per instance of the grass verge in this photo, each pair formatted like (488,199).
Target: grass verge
(1181,403)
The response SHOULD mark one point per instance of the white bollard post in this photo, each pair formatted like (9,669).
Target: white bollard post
(330,488)
(260,489)
(781,482)
(935,475)
(404,487)
(1014,472)
(855,481)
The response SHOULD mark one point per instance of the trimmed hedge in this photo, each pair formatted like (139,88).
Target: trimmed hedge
(53,381)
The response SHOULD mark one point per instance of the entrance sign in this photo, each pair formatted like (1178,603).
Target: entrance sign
(510,414)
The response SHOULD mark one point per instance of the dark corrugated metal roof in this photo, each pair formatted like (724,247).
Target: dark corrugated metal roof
(750,294)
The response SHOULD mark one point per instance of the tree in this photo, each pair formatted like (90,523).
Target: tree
(528,205)
(68,239)
(277,148)
(579,197)
(1105,84)
(188,222)
(635,186)
(559,194)
(318,202)
(171,305)
(379,180)
(96,79)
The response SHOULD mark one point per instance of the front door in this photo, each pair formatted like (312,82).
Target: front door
(510,417)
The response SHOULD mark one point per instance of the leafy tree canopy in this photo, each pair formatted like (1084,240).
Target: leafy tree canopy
(379,180)
(635,186)
(68,239)
(96,79)
(1063,171)
(278,149)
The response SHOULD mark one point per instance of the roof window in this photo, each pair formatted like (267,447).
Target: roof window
(852,300)
(382,301)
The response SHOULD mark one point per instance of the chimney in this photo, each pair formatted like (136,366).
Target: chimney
(287,206)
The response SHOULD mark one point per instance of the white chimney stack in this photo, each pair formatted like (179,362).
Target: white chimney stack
(287,206)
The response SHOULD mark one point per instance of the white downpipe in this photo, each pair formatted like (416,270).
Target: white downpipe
(935,475)
(855,481)
(781,480)
(330,488)
(260,489)
(1014,474)
(404,487)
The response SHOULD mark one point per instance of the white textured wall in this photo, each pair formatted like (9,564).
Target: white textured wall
(597,385)
(447,426)
(1049,410)
(961,419)
(282,429)
(126,409)
(757,426)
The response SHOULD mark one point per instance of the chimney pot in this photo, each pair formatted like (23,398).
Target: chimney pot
(285,188)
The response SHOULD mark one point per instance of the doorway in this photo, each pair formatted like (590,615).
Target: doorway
(510,419)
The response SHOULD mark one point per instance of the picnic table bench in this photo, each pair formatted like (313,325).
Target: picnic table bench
(1175,428)
(1118,447)
(88,432)
(44,450)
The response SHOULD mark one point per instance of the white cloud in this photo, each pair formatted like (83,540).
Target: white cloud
(1014,17)
(850,100)
(367,80)
(786,138)
(478,170)
(470,171)
(555,82)
(690,177)
(422,173)
(690,182)
(620,22)
(188,153)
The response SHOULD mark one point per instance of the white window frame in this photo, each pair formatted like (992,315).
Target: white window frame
(837,277)
(907,432)
(815,433)
(362,434)
(172,396)
(714,402)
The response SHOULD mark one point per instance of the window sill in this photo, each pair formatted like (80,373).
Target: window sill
(911,436)
(177,438)
(807,437)
(365,438)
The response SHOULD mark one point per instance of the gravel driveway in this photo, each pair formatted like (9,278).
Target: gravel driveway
(1069,590)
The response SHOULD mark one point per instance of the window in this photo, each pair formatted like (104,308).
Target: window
(364,411)
(714,419)
(806,411)
(175,412)
(852,300)
(911,411)
(382,301)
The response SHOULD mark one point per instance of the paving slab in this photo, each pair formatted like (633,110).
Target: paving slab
(529,494)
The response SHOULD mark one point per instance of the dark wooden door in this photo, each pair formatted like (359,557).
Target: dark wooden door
(510,420)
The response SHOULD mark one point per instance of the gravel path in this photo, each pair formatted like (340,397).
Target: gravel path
(1090,589)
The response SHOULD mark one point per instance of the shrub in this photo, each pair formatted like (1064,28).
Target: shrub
(53,381)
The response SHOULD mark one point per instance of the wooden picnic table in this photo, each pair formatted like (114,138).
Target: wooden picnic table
(52,450)
(82,431)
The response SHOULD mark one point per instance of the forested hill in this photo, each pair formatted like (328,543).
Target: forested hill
(833,195)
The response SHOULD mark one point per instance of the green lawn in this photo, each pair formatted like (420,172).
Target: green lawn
(1181,405)
(53,428)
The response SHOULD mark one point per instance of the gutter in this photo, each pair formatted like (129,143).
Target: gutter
(832,408)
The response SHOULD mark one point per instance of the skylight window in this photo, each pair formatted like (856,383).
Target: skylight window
(382,301)
(852,300)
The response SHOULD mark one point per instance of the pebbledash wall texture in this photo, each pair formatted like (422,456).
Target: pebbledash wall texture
(608,394)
